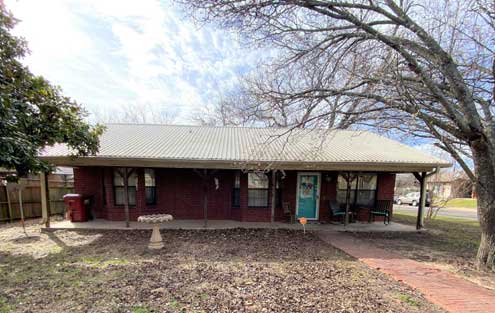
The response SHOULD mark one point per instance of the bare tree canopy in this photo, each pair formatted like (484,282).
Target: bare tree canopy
(134,114)
(422,67)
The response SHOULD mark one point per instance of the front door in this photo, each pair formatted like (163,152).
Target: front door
(308,195)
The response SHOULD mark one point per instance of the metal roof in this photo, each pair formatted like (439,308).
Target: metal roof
(190,146)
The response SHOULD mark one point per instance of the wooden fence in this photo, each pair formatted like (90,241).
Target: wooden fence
(58,185)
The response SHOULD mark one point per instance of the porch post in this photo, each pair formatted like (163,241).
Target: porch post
(45,198)
(422,199)
(126,196)
(274,182)
(347,198)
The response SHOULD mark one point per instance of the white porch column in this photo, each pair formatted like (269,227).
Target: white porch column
(421,177)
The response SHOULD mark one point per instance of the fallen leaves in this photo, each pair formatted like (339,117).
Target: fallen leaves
(240,270)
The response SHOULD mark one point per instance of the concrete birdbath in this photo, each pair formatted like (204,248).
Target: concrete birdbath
(155,220)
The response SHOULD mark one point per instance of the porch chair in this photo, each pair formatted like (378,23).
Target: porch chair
(382,208)
(336,210)
(288,212)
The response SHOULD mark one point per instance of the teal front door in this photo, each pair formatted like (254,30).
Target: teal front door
(308,195)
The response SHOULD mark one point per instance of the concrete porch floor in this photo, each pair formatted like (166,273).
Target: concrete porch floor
(101,224)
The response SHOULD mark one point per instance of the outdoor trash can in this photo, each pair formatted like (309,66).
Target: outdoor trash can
(75,208)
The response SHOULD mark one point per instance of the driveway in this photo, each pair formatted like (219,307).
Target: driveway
(469,214)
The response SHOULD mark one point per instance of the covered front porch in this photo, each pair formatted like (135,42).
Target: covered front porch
(231,198)
(102,224)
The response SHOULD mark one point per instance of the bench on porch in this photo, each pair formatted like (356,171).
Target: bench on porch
(382,208)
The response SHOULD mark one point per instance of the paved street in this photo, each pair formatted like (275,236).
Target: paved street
(447,212)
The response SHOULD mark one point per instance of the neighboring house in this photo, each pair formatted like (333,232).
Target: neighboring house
(183,169)
(450,185)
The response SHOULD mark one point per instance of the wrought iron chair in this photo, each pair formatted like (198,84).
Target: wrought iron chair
(382,208)
(336,210)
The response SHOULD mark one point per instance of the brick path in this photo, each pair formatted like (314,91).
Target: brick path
(450,292)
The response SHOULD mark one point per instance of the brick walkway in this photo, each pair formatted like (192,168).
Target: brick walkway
(450,292)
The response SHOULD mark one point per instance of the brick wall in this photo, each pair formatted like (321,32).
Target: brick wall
(180,192)
(385,191)
(386,186)
(88,182)
(328,192)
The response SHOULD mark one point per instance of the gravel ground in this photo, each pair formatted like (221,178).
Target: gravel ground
(197,271)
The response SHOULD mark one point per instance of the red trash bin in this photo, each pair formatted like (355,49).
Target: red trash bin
(76,210)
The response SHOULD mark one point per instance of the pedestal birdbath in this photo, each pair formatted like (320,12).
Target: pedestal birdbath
(155,220)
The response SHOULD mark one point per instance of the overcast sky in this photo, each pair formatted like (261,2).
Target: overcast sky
(112,53)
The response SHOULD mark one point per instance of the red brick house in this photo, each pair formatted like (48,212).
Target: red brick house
(227,172)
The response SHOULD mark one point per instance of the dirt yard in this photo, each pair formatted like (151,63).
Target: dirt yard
(447,243)
(198,271)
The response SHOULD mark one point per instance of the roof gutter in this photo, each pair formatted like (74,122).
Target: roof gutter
(226,164)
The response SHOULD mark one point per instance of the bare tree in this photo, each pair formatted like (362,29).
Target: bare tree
(422,67)
(251,104)
(233,108)
(135,114)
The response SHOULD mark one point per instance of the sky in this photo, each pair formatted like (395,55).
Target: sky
(147,60)
(114,56)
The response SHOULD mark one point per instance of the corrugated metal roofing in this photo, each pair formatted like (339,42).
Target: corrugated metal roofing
(241,144)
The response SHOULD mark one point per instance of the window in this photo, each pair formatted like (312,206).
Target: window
(257,190)
(236,191)
(366,190)
(342,190)
(363,190)
(150,185)
(118,186)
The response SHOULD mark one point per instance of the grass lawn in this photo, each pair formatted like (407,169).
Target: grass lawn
(462,203)
(449,243)
(197,271)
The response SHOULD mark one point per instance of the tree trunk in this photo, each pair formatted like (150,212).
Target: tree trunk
(485,188)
